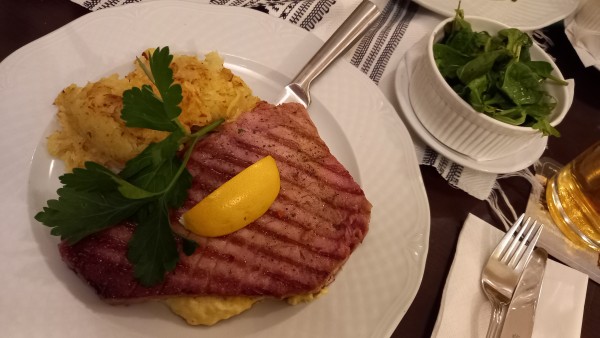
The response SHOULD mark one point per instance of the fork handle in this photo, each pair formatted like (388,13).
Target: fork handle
(351,29)
(496,320)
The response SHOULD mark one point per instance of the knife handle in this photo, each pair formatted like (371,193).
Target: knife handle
(351,29)
(520,315)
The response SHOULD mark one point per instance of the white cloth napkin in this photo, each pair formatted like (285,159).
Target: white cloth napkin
(465,310)
(583,30)
(402,24)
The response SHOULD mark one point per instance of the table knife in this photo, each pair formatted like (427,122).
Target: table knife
(520,315)
(361,19)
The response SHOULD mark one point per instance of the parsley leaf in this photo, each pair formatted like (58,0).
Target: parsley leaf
(143,109)
(153,156)
(163,80)
(77,214)
(152,249)
(94,177)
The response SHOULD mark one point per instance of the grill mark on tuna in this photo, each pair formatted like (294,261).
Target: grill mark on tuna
(320,191)
(303,264)
(298,145)
(223,255)
(348,203)
(323,239)
(218,274)
(319,241)
(299,217)
(245,248)
(289,192)
(288,170)
(312,167)
(219,168)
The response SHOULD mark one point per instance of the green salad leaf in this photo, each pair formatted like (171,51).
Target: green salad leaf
(495,74)
(95,198)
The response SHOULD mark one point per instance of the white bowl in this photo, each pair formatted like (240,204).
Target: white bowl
(455,123)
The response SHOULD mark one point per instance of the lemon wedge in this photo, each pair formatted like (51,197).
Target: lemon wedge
(236,203)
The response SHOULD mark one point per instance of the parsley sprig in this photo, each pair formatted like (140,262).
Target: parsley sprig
(94,198)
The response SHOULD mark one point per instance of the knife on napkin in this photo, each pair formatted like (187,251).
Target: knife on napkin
(351,29)
(519,319)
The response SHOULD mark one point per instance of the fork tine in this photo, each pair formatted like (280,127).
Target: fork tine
(527,253)
(507,238)
(508,254)
(522,246)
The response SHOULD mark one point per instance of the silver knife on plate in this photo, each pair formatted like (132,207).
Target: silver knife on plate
(520,316)
(351,29)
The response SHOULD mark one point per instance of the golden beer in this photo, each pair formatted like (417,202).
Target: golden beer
(573,197)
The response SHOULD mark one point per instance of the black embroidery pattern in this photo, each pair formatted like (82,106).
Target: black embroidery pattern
(316,14)
(365,42)
(454,174)
(90,4)
(305,13)
(299,12)
(93,5)
(442,165)
(391,45)
(430,156)
(449,170)
(376,49)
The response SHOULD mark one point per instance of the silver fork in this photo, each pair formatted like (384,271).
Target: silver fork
(501,274)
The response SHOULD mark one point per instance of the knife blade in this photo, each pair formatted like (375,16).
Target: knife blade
(520,315)
(359,21)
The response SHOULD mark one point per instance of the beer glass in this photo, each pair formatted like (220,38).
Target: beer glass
(573,198)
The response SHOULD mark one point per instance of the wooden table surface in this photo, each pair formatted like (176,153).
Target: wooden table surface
(26,20)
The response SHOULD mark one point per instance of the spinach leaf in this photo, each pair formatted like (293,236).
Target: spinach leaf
(544,70)
(515,41)
(522,85)
(448,59)
(515,116)
(478,88)
(479,66)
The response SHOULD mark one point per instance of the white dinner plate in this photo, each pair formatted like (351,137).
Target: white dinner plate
(40,296)
(527,15)
(507,164)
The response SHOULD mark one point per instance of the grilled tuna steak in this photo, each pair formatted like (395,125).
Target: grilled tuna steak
(297,247)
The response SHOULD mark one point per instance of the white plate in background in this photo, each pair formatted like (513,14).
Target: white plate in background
(527,15)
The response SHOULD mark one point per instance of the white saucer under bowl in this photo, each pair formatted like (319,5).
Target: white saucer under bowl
(507,164)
